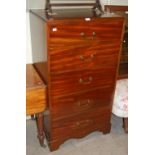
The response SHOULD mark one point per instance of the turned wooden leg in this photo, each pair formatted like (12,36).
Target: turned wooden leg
(125,124)
(41,136)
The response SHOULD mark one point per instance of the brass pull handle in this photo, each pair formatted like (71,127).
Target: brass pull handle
(83,103)
(92,56)
(94,35)
(82,57)
(83,34)
(83,123)
(90,79)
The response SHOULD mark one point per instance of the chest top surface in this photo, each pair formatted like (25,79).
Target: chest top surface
(59,14)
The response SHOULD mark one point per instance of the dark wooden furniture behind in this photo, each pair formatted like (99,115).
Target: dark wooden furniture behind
(80,70)
(35,98)
(50,4)
(122,10)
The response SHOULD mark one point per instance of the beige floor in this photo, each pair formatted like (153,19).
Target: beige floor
(115,143)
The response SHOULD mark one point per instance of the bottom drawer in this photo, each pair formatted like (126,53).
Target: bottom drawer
(81,124)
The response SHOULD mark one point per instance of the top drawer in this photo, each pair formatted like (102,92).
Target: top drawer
(87,28)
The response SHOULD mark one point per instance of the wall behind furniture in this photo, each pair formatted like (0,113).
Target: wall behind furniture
(119,2)
(31,4)
(40,4)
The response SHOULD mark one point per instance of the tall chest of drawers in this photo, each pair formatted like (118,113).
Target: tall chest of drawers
(77,55)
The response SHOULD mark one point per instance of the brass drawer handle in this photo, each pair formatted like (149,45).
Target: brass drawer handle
(85,103)
(90,79)
(92,56)
(84,123)
(83,35)
(94,35)
(82,57)
(89,38)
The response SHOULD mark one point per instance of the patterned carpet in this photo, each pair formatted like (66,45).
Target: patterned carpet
(115,143)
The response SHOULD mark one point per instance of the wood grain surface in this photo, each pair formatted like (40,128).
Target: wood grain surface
(35,92)
(83,57)
(81,102)
(83,60)
(79,55)
(82,29)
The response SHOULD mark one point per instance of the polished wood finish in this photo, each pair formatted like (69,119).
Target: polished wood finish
(81,102)
(70,29)
(35,101)
(74,82)
(41,68)
(80,125)
(74,55)
(82,63)
(35,98)
(35,92)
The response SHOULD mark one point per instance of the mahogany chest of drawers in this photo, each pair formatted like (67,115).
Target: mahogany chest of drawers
(77,55)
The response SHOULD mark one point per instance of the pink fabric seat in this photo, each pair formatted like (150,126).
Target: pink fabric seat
(120,104)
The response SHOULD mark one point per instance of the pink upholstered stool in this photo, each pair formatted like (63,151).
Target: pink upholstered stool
(120,104)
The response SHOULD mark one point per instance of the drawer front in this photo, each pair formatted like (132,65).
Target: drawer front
(78,55)
(103,28)
(82,102)
(74,82)
(87,122)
